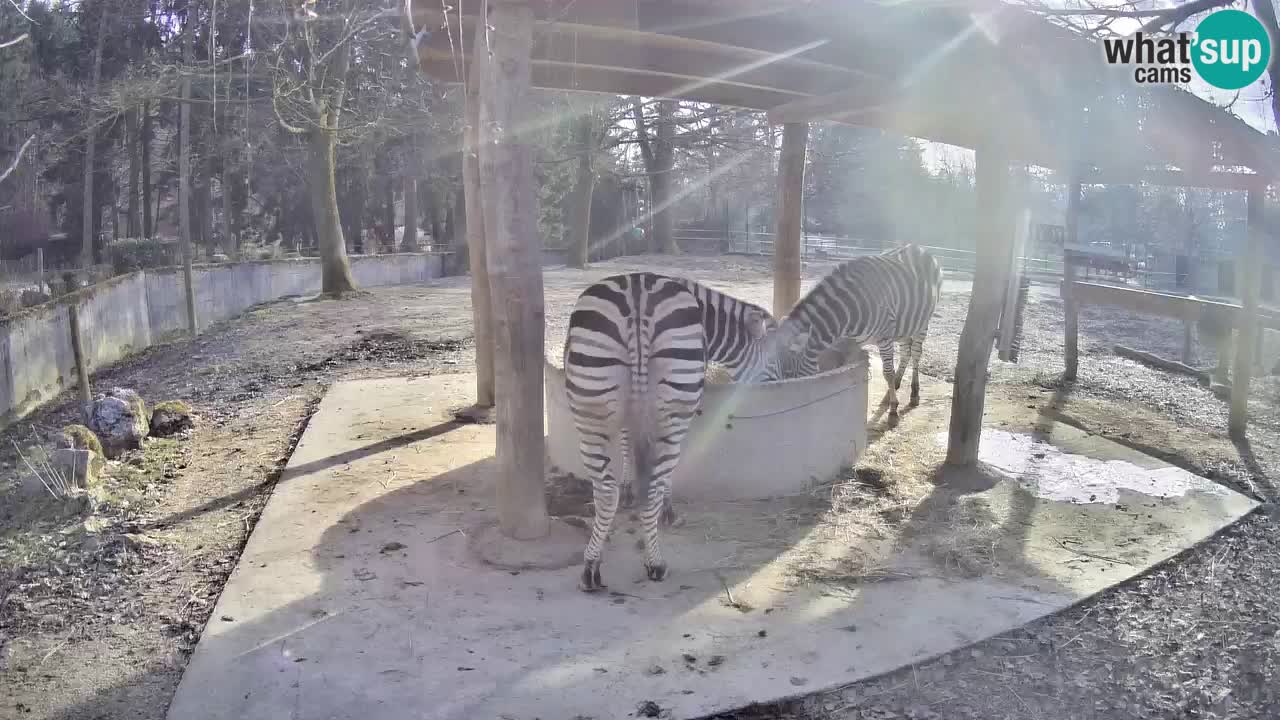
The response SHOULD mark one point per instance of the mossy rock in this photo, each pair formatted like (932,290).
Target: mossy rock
(80,437)
(170,418)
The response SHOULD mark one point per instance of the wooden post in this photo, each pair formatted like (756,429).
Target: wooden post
(1071,346)
(481,299)
(993,239)
(1249,276)
(1008,315)
(77,352)
(40,267)
(515,269)
(787,241)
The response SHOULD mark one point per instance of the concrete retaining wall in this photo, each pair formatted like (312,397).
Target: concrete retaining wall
(750,441)
(128,313)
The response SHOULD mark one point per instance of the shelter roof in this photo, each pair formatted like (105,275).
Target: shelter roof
(964,72)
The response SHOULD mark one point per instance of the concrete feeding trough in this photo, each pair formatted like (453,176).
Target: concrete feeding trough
(751,441)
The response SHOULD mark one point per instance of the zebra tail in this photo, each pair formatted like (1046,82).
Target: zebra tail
(640,417)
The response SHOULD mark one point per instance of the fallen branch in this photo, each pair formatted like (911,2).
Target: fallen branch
(1160,363)
(16,159)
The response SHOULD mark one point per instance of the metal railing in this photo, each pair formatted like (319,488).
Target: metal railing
(831,247)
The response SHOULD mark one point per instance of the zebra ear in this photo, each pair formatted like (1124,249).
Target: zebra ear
(759,326)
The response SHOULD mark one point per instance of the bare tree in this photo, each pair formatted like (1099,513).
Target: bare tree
(308,97)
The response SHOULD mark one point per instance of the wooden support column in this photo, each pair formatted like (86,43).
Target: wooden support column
(1250,275)
(514,260)
(1071,309)
(481,302)
(788,240)
(994,231)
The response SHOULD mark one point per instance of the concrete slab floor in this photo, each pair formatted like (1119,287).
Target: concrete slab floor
(357,595)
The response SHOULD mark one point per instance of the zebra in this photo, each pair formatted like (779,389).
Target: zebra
(634,361)
(735,332)
(882,298)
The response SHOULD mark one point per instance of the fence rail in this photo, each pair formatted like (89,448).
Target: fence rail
(831,247)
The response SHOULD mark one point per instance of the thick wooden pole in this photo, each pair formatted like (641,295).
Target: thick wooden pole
(515,269)
(481,302)
(1070,307)
(994,235)
(1249,276)
(790,230)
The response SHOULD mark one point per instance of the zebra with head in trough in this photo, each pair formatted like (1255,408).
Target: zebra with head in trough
(635,360)
(884,298)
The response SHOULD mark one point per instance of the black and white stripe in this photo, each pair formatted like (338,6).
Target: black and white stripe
(735,332)
(877,298)
(635,358)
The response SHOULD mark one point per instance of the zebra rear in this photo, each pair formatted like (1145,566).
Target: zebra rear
(635,359)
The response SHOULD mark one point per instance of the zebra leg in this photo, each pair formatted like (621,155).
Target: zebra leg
(595,434)
(605,494)
(886,365)
(669,517)
(917,350)
(904,348)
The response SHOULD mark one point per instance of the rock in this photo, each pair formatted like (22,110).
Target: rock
(119,419)
(79,437)
(170,418)
(78,468)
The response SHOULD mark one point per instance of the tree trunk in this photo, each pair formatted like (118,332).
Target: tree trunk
(432,204)
(515,271)
(583,187)
(389,214)
(410,243)
(665,157)
(184,170)
(147,227)
(133,226)
(789,240)
(88,216)
(336,269)
(481,300)
(994,236)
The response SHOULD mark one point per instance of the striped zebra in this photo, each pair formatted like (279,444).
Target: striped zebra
(883,298)
(735,331)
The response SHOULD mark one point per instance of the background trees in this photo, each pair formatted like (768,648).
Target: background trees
(311,132)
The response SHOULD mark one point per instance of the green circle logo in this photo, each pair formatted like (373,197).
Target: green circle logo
(1232,49)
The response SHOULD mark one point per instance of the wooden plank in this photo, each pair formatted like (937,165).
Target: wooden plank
(481,299)
(790,233)
(514,258)
(1179,307)
(994,235)
(1215,179)
(1070,306)
(1238,420)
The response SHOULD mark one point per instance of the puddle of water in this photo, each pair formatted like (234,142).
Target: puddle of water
(1049,473)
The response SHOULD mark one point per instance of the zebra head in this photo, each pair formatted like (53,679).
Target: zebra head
(786,352)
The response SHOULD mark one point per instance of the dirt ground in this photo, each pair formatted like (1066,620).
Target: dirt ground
(84,611)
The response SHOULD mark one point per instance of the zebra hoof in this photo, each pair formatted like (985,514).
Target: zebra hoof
(656,572)
(915,399)
(591,577)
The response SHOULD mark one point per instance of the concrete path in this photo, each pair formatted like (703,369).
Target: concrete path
(358,597)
